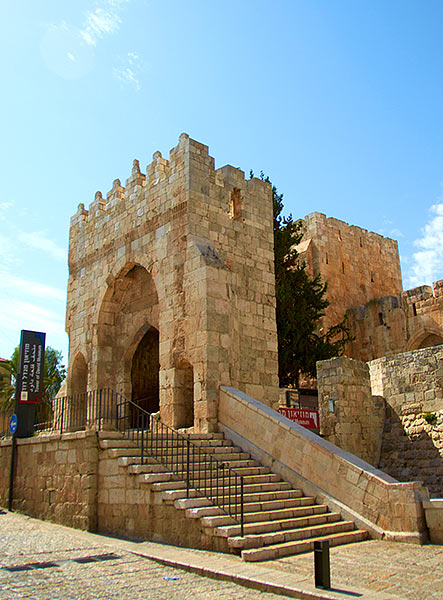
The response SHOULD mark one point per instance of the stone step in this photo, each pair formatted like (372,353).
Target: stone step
(297,547)
(112,444)
(328,524)
(127,458)
(171,441)
(199,510)
(215,451)
(109,434)
(132,453)
(199,473)
(173,484)
(264,521)
(220,454)
(177,494)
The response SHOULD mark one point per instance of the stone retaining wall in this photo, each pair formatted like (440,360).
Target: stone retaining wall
(55,478)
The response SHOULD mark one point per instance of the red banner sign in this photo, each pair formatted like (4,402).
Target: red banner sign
(307,418)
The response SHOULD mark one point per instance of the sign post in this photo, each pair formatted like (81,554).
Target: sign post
(28,387)
(29,384)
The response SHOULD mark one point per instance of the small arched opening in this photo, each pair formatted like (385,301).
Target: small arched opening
(74,416)
(426,338)
(79,375)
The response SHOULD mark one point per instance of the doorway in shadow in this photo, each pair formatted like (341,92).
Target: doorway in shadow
(145,372)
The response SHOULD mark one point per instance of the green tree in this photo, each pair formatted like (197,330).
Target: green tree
(301,302)
(54,372)
(6,387)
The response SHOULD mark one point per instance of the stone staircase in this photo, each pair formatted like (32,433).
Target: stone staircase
(278,520)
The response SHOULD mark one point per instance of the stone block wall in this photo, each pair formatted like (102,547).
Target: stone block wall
(412,384)
(350,416)
(55,478)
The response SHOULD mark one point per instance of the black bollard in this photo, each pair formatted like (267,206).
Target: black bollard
(321,565)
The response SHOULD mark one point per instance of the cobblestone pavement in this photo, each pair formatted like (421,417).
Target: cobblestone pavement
(29,544)
(43,561)
(402,570)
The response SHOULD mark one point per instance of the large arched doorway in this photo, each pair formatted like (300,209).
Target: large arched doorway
(145,372)
(130,306)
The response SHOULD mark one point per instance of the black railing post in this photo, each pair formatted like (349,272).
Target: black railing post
(99,410)
(63,415)
(188,446)
(242,512)
(142,444)
(116,410)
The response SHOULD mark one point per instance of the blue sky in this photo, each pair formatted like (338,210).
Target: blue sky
(338,101)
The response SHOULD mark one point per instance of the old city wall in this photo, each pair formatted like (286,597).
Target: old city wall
(410,437)
(395,324)
(184,252)
(358,265)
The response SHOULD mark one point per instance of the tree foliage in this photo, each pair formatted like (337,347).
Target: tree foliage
(301,302)
(54,372)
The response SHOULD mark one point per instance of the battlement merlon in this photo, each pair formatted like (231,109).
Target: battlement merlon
(189,167)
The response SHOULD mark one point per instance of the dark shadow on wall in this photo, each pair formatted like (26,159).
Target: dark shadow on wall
(409,452)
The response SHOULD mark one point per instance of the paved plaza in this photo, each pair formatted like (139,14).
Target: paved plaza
(42,561)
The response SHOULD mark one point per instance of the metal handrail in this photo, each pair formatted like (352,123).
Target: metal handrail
(209,477)
(105,409)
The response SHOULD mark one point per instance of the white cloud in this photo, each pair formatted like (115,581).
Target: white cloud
(39,240)
(30,288)
(25,315)
(4,207)
(127,75)
(103,20)
(427,265)
(7,256)
(128,72)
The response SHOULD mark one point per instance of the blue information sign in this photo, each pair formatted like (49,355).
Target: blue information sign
(13,424)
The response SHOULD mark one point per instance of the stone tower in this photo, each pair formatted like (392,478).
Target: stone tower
(171,288)
(359,265)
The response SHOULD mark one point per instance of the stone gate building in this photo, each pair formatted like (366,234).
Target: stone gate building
(171,288)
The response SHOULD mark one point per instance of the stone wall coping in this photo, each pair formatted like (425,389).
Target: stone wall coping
(50,437)
(433,503)
(353,460)
(406,355)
